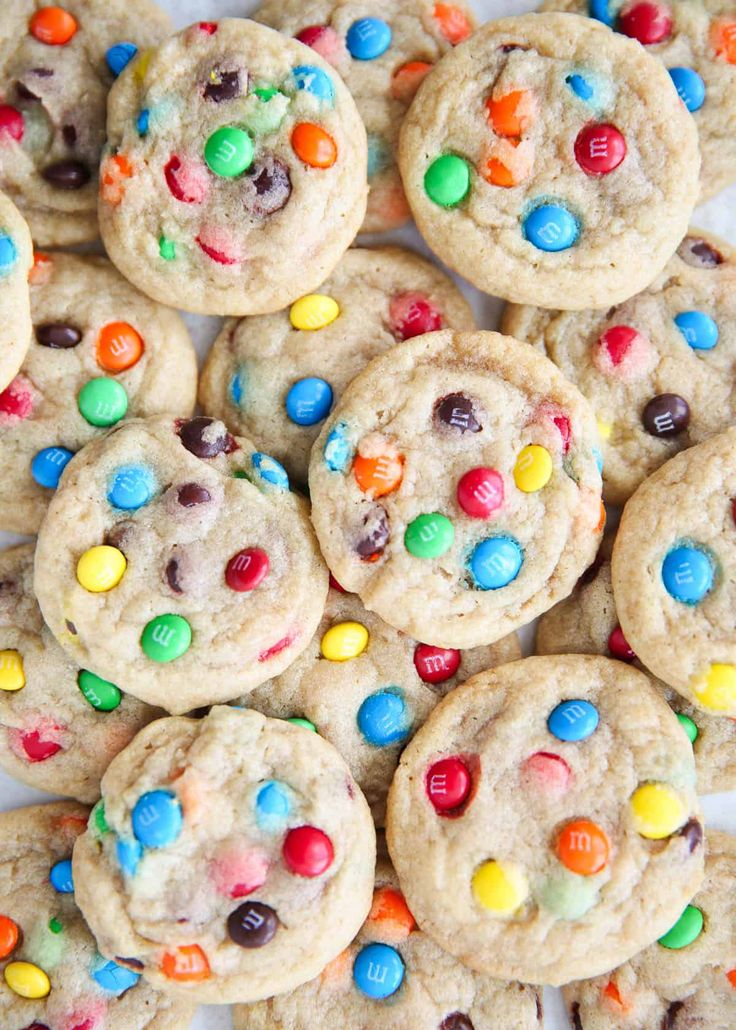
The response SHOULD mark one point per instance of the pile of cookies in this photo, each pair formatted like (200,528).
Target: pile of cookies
(264,637)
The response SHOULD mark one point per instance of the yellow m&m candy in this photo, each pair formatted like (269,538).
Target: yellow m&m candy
(344,641)
(12,676)
(657,810)
(499,887)
(533,468)
(101,568)
(313,312)
(604,429)
(716,689)
(27,980)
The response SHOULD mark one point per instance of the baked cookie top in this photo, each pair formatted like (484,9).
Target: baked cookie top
(16,258)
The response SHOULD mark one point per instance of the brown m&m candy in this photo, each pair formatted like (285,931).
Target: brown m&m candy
(252,924)
(667,414)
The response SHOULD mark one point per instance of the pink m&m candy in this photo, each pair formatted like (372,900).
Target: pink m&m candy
(599,149)
(480,492)
(547,772)
(448,784)
(436,664)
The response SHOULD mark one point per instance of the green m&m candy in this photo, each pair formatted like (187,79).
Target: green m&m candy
(688,726)
(102,402)
(429,536)
(98,813)
(167,249)
(229,151)
(166,637)
(101,695)
(304,723)
(447,180)
(687,929)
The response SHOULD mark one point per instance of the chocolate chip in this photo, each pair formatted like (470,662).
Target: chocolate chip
(375,533)
(71,627)
(131,963)
(205,437)
(540,1010)
(456,1021)
(267,187)
(25,93)
(43,73)
(692,831)
(252,925)
(37,1026)
(699,253)
(456,410)
(172,576)
(577,1023)
(669,1020)
(117,535)
(666,415)
(67,175)
(506,48)
(223,86)
(70,135)
(58,335)
(192,494)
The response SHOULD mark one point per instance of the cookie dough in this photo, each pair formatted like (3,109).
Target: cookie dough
(455,487)
(101,351)
(54,978)
(57,64)
(658,370)
(275,378)
(16,258)
(552,801)
(687,978)
(174,562)
(238,859)
(672,574)
(367,688)
(586,623)
(382,51)
(394,977)
(551,162)
(695,42)
(234,176)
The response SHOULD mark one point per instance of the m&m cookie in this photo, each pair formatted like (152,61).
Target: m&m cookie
(175,563)
(276,378)
(57,64)
(658,369)
(696,42)
(60,725)
(455,487)
(551,162)
(393,976)
(686,979)
(367,688)
(16,257)
(237,858)
(673,576)
(543,822)
(382,50)
(587,623)
(234,176)
(52,976)
(100,352)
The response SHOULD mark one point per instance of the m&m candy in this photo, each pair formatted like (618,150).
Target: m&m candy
(166,637)
(313,312)
(436,664)
(690,87)
(114,978)
(119,56)
(448,784)
(53,26)
(344,641)
(533,468)
(157,818)
(272,800)
(496,562)
(9,936)
(599,149)
(61,877)
(716,687)
(378,970)
(119,347)
(698,328)
(128,853)
(247,569)
(499,887)
(308,851)
(229,151)
(429,536)
(583,847)
(313,145)
(480,492)
(648,22)
(382,718)
(311,79)
(309,401)
(131,487)
(101,568)
(657,810)
(573,720)
(102,695)
(551,227)
(447,180)
(102,401)
(12,673)
(368,38)
(27,980)
(48,464)
(687,573)
(686,930)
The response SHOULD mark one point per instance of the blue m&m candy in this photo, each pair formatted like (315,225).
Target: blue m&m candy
(8,253)
(270,471)
(551,227)
(338,451)
(119,56)
(129,853)
(601,11)
(368,38)
(687,574)
(157,818)
(379,155)
(573,720)
(699,329)
(382,718)
(690,87)
(143,121)
(237,387)
(378,970)
(48,464)
(61,877)
(496,562)
(272,801)
(310,79)
(132,486)
(309,401)
(580,86)
(114,978)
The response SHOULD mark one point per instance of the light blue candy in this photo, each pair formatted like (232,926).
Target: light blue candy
(580,86)
(310,79)
(699,329)
(132,487)
(382,718)
(598,458)
(48,464)
(143,121)
(690,87)
(573,720)
(379,155)
(368,38)
(378,971)
(119,56)
(272,801)
(129,853)
(237,387)
(687,574)
(601,11)
(157,818)
(270,470)
(61,877)
(338,451)
(551,228)
(309,401)
(114,978)
(496,562)
(8,253)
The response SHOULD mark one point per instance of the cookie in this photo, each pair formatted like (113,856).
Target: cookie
(275,378)
(394,977)
(455,487)
(695,42)
(193,574)
(57,64)
(672,574)
(100,351)
(53,975)
(367,688)
(658,369)
(586,623)
(551,162)
(234,177)
(382,51)
(687,978)
(16,258)
(553,801)
(238,859)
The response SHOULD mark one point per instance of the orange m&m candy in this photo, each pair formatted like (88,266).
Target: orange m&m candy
(511,114)
(390,908)
(313,145)
(112,174)
(379,475)
(119,347)
(41,269)
(731,977)
(613,997)
(407,79)
(187,964)
(454,23)
(53,26)
(583,847)
(9,935)
(723,38)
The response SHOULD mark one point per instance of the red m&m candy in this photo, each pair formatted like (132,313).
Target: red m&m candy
(619,647)
(647,22)
(448,784)
(436,664)
(37,749)
(247,569)
(12,123)
(412,314)
(480,492)
(599,149)
(308,851)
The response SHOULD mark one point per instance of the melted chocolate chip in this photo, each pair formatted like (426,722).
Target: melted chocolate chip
(669,1020)
(252,925)
(699,253)
(205,437)
(692,831)
(456,410)
(118,534)
(223,86)
(70,135)
(71,627)
(540,1010)
(131,963)
(666,415)
(577,1023)
(456,1021)
(43,73)
(506,48)
(172,576)
(25,93)
(267,187)
(67,175)
(58,335)
(192,494)
(375,533)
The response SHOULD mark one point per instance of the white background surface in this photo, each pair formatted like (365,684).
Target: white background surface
(719,215)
